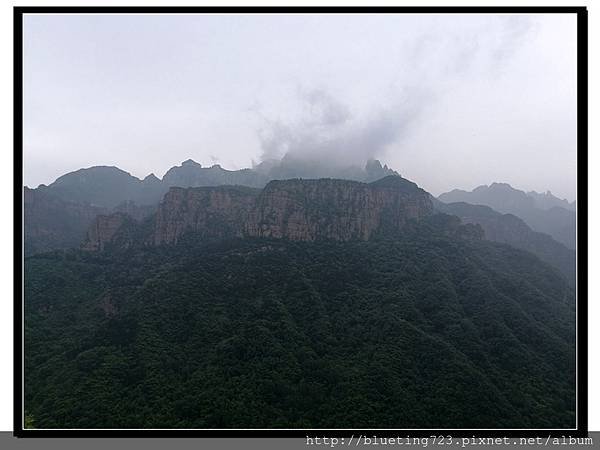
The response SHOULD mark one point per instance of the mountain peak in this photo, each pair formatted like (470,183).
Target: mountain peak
(373,164)
(151,179)
(498,185)
(543,213)
(191,162)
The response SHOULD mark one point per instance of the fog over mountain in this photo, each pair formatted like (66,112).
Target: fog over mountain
(101,200)
(544,213)
(313,303)
(451,101)
(240,222)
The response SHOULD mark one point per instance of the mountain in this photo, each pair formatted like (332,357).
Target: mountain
(548,201)
(108,187)
(63,210)
(509,229)
(306,210)
(558,222)
(421,326)
(192,174)
(52,223)
(63,214)
(294,167)
(313,210)
(105,187)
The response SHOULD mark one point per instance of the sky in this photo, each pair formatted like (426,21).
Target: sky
(448,101)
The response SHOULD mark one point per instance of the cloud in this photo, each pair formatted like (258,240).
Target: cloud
(327,131)
(324,109)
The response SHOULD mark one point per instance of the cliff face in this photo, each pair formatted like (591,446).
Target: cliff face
(214,212)
(303,210)
(51,223)
(135,211)
(104,229)
(309,210)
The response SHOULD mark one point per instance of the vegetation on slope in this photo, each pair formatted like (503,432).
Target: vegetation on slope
(424,330)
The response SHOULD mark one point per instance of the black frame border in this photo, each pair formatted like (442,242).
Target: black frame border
(582,220)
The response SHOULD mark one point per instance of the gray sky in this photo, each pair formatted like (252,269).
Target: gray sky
(449,101)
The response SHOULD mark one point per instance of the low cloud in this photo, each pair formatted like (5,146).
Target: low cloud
(327,131)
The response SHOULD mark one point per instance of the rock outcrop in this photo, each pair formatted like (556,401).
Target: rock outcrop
(135,211)
(302,210)
(309,210)
(213,212)
(104,229)
(51,223)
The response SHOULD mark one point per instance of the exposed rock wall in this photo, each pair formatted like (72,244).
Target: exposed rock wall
(51,223)
(213,212)
(309,210)
(104,229)
(305,210)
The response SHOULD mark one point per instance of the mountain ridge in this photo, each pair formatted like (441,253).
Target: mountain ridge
(295,209)
(510,229)
(51,222)
(558,222)
(310,303)
(108,186)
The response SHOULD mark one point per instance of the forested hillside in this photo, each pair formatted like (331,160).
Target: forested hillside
(433,328)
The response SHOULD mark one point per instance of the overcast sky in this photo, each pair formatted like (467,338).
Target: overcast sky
(449,101)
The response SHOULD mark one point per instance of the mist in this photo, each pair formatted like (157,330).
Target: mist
(449,101)
(329,133)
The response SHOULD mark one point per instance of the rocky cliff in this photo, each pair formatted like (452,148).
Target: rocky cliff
(104,229)
(213,212)
(303,210)
(51,222)
(309,210)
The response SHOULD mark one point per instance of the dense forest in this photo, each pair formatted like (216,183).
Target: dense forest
(429,329)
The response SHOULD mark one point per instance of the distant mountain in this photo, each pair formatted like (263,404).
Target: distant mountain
(558,222)
(291,167)
(548,201)
(58,215)
(51,222)
(192,174)
(106,187)
(509,229)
